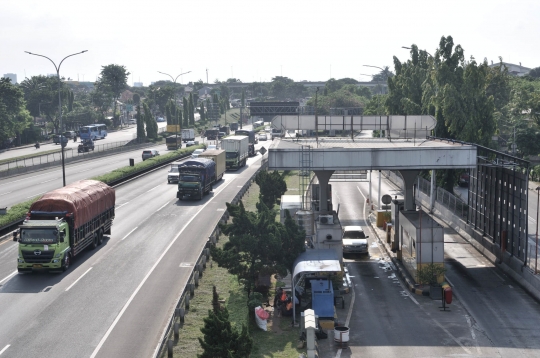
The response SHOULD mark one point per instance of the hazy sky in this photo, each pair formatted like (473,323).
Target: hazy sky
(255,40)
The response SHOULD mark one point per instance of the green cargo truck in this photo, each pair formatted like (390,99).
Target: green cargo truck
(64,222)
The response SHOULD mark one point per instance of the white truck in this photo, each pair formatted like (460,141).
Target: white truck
(188,135)
(236,151)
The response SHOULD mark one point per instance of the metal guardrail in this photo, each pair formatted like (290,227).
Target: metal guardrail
(20,166)
(13,225)
(189,291)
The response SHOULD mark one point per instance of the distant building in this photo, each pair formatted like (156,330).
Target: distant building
(513,69)
(12,77)
(137,84)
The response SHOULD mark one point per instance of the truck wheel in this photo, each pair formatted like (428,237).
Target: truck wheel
(100,237)
(67,262)
(95,242)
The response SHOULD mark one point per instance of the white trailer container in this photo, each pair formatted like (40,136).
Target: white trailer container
(236,151)
(188,135)
(293,203)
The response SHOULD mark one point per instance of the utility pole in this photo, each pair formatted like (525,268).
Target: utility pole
(316,118)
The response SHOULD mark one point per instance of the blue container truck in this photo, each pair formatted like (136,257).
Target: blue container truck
(195,178)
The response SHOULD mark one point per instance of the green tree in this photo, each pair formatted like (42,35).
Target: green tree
(178,117)
(191,110)
(254,244)
(114,77)
(141,136)
(272,187)
(136,99)
(202,112)
(186,112)
(221,340)
(41,96)
(14,117)
(151,125)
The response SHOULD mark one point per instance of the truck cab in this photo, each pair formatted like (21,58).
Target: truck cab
(43,245)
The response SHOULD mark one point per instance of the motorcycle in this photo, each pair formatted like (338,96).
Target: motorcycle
(36,145)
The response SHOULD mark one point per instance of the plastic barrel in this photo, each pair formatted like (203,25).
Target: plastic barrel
(341,334)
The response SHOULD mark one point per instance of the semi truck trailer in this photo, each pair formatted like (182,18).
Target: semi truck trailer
(236,151)
(64,222)
(188,135)
(195,178)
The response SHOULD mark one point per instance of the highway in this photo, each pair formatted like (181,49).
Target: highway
(490,316)
(116,300)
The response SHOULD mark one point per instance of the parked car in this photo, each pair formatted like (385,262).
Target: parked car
(263,137)
(161,119)
(212,147)
(196,153)
(150,153)
(354,240)
(132,121)
(221,135)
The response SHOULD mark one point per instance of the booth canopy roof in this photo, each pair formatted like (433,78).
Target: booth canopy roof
(313,261)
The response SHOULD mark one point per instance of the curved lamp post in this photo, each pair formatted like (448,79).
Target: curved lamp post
(59,104)
(175,98)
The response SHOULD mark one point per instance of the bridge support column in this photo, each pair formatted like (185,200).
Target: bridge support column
(409,179)
(324,177)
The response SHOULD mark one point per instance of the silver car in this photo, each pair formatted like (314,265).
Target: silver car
(354,240)
(150,153)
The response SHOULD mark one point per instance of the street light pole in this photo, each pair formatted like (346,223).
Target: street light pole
(59,105)
(537,208)
(175,98)
(316,118)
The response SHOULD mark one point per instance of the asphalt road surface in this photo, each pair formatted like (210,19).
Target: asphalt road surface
(490,315)
(114,301)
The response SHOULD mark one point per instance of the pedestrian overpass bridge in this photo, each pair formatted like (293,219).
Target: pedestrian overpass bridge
(407,148)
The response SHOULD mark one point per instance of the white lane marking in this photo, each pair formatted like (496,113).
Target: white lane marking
(473,335)
(4,349)
(31,196)
(6,193)
(77,280)
(46,181)
(115,322)
(119,206)
(495,273)
(129,233)
(348,319)
(164,205)
(152,189)
(8,276)
(405,289)
(510,286)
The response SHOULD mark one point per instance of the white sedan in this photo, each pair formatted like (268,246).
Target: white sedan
(196,153)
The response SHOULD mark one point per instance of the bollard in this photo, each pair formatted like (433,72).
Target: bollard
(186,302)
(200,269)
(196,278)
(207,253)
(191,289)
(131,162)
(180,312)
(204,261)
(169,348)
(176,329)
